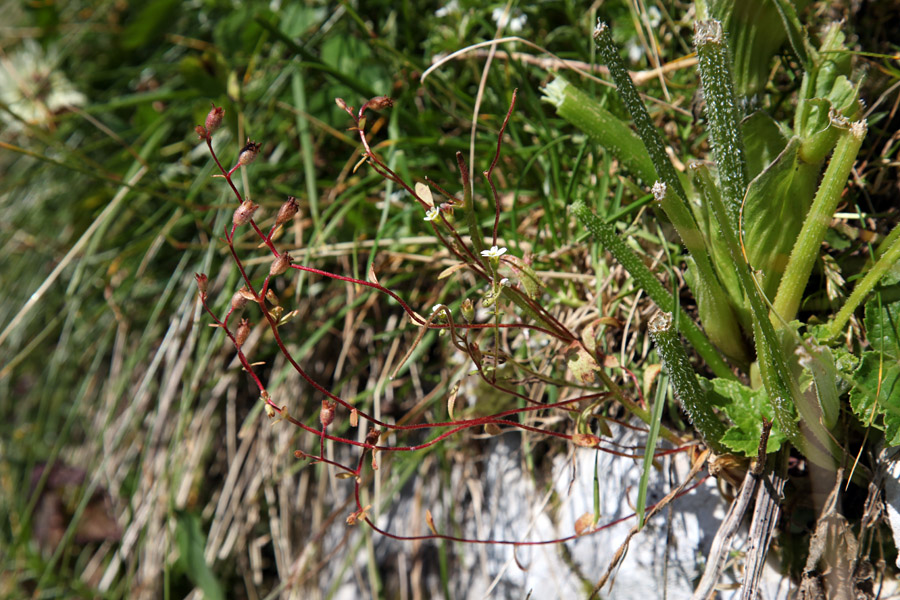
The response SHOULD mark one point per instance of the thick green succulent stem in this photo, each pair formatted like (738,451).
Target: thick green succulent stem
(583,111)
(806,249)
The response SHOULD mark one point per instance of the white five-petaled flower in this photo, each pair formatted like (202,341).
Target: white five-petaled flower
(432,213)
(494,252)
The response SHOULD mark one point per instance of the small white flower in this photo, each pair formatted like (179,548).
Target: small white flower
(432,213)
(494,252)
(505,281)
(515,24)
(435,308)
(447,9)
(654,17)
(635,50)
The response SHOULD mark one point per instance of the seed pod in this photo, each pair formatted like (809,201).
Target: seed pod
(326,415)
(238,301)
(243,332)
(287,211)
(201,131)
(248,153)
(280,264)
(244,212)
(214,118)
(240,298)
(372,436)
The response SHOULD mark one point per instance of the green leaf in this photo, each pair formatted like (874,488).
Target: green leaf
(191,542)
(883,327)
(746,409)
(764,140)
(876,382)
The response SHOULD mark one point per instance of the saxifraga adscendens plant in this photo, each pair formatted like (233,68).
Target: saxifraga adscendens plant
(513,294)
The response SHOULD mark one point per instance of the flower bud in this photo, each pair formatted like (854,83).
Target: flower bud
(280,264)
(244,212)
(468,310)
(326,415)
(242,333)
(380,102)
(214,119)
(248,153)
(271,297)
(202,283)
(287,211)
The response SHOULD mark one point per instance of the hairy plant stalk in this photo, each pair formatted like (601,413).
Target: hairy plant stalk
(806,249)
(684,381)
(722,114)
(647,131)
(606,235)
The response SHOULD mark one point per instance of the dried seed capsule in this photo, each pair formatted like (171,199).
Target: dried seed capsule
(380,102)
(244,212)
(202,283)
(372,436)
(248,153)
(326,415)
(214,118)
(280,264)
(287,211)
(242,333)
(240,298)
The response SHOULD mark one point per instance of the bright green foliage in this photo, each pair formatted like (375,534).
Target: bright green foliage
(876,382)
(745,407)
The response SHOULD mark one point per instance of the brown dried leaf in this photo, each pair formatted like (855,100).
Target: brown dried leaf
(451,401)
(430,520)
(491,429)
(581,363)
(585,523)
(451,270)
(586,440)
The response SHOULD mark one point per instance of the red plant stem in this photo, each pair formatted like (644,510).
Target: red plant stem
(489,173)
(453,538)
